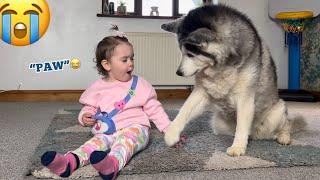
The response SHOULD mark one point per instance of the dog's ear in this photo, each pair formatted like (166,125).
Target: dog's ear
(200,37)
(172,26)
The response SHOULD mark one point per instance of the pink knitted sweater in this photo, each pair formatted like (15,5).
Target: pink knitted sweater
(140,109)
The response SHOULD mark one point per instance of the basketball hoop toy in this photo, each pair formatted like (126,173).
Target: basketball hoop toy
(293,25)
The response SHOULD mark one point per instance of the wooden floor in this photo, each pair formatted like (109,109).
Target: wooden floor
(74,95)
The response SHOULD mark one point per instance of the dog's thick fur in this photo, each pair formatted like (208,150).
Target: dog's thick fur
(235,77)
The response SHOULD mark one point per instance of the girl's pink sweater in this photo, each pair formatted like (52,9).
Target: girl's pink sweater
(140,109)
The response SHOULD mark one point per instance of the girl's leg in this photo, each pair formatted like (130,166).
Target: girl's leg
(100,142)
(61,164)
(127,142)
(65,165)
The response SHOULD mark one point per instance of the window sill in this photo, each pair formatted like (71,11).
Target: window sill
(138,16)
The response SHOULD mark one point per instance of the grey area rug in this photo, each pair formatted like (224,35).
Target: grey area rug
(202,151)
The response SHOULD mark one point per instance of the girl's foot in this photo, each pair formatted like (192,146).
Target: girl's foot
(59,164)
(106,165)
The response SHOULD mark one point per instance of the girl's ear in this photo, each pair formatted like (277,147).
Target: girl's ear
(106,65)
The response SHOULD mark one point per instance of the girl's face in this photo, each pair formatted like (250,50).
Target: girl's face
(120,65)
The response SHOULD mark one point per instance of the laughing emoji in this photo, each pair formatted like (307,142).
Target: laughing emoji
(23,22)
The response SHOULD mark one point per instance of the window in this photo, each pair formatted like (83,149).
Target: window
(128,3)
(165,8)
(186,5)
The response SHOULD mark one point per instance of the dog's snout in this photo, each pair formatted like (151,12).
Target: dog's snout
(179,73)
(164,26)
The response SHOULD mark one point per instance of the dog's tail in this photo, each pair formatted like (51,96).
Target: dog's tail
(298,124)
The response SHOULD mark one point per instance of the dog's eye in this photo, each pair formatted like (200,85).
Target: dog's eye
(190,55)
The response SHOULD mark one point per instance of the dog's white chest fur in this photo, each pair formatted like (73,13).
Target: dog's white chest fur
(218,84)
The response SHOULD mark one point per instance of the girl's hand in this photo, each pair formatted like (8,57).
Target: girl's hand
(87,119)
(183,139)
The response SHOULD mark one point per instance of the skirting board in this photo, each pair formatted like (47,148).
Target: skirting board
(74,95)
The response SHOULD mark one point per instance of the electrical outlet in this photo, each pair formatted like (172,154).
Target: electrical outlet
(19,86)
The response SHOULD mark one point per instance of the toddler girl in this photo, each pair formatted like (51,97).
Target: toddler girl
(119,107)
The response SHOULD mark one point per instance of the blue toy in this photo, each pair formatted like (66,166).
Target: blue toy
(104,124)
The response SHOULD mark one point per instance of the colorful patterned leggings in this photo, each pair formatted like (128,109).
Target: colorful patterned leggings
(123,144)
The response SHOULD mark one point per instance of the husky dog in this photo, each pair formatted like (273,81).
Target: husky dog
(235,78)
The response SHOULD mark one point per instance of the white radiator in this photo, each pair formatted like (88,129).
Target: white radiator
(157,58)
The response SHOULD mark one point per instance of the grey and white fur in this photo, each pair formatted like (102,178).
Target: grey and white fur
(235,78)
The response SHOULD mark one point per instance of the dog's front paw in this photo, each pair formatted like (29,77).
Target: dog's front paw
(172,135)
(236,151)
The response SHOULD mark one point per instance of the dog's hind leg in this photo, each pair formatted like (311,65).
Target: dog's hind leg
(283,135)
(283,131)
(193,106)
(274,124)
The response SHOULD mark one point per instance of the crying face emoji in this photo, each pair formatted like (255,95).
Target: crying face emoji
(23,22)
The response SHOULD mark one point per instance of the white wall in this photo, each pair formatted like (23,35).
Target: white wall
(75,29)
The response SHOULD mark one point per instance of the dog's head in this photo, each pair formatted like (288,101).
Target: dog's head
(193,46)
(202,35)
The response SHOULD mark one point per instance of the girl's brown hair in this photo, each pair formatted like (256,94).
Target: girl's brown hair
(105,49)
